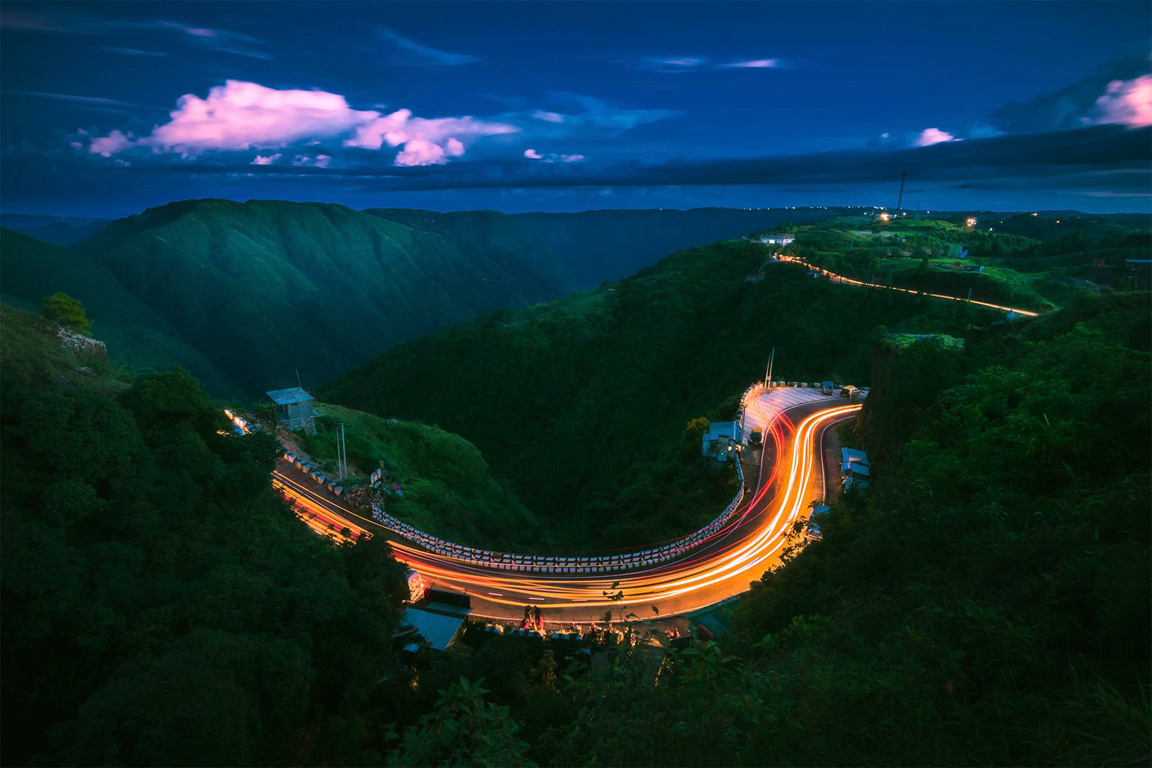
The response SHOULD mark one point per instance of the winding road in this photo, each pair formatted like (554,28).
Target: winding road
(754,540)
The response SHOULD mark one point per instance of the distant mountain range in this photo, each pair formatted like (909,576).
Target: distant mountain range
(250,295)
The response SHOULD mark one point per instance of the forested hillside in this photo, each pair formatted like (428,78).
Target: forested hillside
(264,289)
(138,335)
(582,403)
(160,605)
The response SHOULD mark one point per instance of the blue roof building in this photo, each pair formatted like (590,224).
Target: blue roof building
(294,409)
(721,439)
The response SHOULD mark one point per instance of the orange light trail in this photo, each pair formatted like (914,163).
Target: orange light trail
(728,555)
(850,281)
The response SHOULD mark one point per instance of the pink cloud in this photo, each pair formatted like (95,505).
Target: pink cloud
(421,152)
(416,134)
(1126,102)
(106,146)
(756,64)
(532,154)
(260,160)
(930,136)
(240,116)
(322,161)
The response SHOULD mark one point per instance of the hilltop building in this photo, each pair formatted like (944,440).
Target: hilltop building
(781,240)
(721,439)
(294,409)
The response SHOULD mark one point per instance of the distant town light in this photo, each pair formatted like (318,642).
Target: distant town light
(885,216)
(971,222)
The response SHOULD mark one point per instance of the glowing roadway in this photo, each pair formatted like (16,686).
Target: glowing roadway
(753,542)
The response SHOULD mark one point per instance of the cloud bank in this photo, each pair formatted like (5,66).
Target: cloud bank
(240,116)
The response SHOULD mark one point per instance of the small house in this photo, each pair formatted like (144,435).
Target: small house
(721,440)
(294,409)
(781,240)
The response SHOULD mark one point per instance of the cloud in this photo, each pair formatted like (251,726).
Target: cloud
(930,136)
(403,52)
(1110,157)
(671,63)
(260,160)
(552,157)
(550,117)
(573,115)
(106,146)
(241,116)
(1125,102)
(134,51)
(92,102)
(754,64)
(1070,107)
(79,21)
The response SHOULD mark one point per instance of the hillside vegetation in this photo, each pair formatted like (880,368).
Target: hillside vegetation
(448,490)
(1028,262)
(139,335)
(160,605)
(582,403)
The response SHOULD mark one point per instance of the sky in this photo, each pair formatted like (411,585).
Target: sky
(109,108)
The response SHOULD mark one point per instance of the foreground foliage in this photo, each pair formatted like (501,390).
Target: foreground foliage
(159,604)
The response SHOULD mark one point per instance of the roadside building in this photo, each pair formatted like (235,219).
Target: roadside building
(721,439)
(855,471)
(294,409)
(781,240)
(436,622)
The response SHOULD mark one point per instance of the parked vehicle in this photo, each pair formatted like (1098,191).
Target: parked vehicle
(848,391)
(756,438)
(828,388)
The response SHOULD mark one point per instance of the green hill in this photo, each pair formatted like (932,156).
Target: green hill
(448,490)
(136,334)
(582,403)
(265,289)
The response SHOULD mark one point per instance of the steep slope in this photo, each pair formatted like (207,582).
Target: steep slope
(582,402)
(135,333)
(592,247)
(266,288)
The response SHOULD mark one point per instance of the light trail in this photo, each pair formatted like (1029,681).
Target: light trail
(731,559)
(850,281)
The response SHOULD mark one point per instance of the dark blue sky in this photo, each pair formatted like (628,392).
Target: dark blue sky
(110,108)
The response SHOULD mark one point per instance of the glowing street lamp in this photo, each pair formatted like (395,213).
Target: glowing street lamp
(971,222)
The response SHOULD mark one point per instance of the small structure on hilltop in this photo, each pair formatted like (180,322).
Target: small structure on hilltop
(294,409)
(785,239)
(721,440)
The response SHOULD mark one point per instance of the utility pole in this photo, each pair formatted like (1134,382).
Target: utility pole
(900,202)
(768,373)
(342,455)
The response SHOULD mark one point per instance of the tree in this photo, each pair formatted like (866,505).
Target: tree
(463,730)
(65,310)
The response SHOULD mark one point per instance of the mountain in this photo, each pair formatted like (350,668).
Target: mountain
(581,403)
(597,246)
(264,289)
(135,333)
(58,230)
